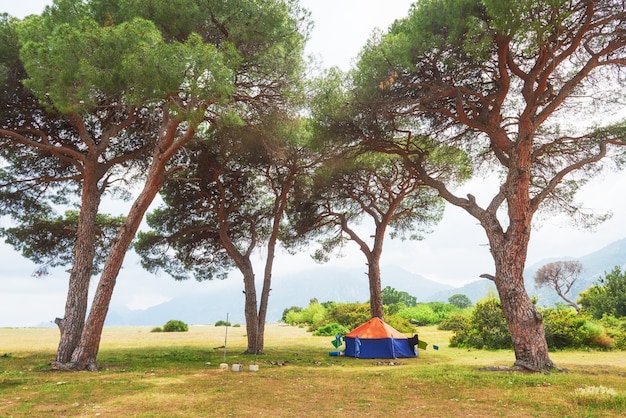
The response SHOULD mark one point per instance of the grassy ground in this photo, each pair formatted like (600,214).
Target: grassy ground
(146,374)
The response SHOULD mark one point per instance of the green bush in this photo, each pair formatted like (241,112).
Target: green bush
(174,325)
(313,313)
(400,324)
(431,313)
(486,328)
(221,323)
(616,329)
(156,329)
(331,329)
(455,322)
(350,315)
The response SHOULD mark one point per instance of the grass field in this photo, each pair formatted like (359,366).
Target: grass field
(146,374)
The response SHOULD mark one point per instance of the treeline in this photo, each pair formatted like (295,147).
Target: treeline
(401,312)
(599,324)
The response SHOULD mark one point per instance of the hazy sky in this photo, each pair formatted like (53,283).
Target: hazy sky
(456,253)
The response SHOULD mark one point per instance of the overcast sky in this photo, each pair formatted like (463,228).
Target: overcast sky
(455,253)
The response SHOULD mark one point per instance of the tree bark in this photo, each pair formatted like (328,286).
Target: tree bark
(524,321)
(84,356)
(71,325)
(255,341)
(509,250)
(376,293)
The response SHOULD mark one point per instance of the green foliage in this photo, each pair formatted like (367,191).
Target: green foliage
(485,328)
(616,330)
(174,325)
(564,328)
(392,296)
(350,315)
(287,310)
(460,301)
(310,315)
(221,323)
(156,329)
(49,240)
(331,329)
(608,296)
(430,313)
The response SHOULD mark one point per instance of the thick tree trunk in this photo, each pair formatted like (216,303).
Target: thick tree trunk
(71,325)
(524,321)
(84,357)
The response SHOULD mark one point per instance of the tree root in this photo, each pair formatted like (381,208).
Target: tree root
(521,366)
(73,366)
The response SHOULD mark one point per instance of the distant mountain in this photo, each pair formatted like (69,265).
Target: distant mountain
(345,285)
(475,291)
(595,265)
(323,283)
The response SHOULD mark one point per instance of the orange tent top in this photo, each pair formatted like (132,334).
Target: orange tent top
(375,328)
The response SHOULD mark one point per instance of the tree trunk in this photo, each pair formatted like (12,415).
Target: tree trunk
(376,293)
(84,356)
(250,310)
(524,321)
(71,325)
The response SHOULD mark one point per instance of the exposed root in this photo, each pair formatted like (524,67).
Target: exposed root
(74,367)
(521,366)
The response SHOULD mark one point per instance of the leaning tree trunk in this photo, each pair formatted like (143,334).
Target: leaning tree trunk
(84,357)
(71,325)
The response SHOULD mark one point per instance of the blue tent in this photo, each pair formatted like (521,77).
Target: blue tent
(376,339)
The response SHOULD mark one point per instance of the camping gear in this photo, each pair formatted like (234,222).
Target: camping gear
(376,339)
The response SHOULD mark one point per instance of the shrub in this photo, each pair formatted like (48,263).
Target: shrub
(431,313)
(174,325)
(486,328)
(456,321)
(156,329)
(331,329)
(400,324)
(221,323)
(313,313)
(350,315)
(565,328)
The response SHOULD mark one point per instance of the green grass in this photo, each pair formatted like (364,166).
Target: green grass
(147,374)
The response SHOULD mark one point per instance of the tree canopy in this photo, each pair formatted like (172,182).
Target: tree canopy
(123,86)
(512,84)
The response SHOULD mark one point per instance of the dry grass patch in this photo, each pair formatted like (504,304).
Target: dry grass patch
(147,374)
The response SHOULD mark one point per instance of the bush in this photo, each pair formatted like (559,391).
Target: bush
(174,325)
(156,329)
(455,322)
(313,313)
(485,328)
(350,315)
(221,323)
(431,313)
(331,329)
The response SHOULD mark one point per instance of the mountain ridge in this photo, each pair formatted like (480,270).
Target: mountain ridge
(348,285)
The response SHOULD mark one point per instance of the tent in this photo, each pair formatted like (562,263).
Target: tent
(376,339)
